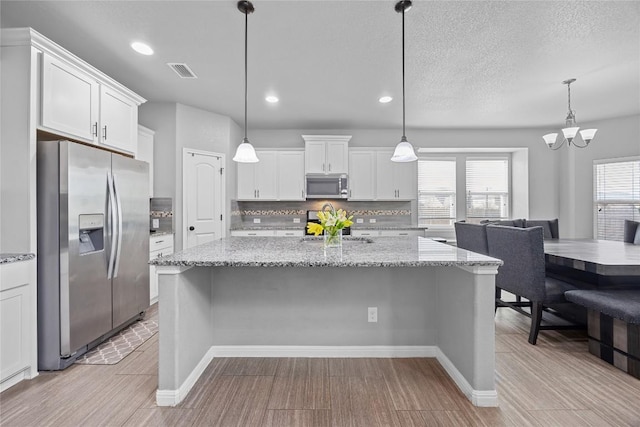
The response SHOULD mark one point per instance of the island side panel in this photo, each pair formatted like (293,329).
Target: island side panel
(323,306)
(466,328)
(184,314)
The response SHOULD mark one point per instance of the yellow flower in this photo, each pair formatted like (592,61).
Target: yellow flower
(314,228)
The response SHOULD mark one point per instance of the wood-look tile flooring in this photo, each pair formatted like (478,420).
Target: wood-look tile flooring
(555,383)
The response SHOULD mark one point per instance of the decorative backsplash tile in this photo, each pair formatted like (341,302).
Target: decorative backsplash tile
(161,214)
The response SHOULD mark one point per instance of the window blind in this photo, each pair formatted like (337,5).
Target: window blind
(487,189)
(616,198)
(436,191)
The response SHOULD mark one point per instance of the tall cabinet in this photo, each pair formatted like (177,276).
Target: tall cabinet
(47,92)
(326,154)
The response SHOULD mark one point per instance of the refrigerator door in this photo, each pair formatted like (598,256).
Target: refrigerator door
(85,290)
(131,271)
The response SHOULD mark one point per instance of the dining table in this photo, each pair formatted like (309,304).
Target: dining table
(595,264)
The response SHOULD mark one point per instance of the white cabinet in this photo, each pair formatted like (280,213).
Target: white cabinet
(362,175)
(159,246)
(69,99)
(388,233)
(290,167)
(118,121)
(268,233)
(258,181)
(289,233)
(326,154)
(394,181)
(83,104)
(18,323)
(145,151)
(279,175)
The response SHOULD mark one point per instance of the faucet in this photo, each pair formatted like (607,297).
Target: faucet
(328,205)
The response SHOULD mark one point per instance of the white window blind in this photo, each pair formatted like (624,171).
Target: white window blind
(617,197)
(436,192)
(487,189)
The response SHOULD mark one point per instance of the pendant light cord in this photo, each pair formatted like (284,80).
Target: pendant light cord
(569,95)
(246,35)
(403,102)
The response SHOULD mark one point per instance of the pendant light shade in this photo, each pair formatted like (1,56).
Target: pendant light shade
(245,153)
(404,150)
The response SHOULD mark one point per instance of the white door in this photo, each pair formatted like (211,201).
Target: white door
(361,175)
(291,175)
(337,157)
(203,192)
(266,175)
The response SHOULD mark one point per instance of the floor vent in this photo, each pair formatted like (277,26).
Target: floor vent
(182,70)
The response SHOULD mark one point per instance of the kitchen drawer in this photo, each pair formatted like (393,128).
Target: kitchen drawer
(365,233)
(157,243)
(401,232)
(253,233)
(290,233)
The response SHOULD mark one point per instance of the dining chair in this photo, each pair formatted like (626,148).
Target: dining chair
(523,274)
(631,232)
(549,227)
(472,237)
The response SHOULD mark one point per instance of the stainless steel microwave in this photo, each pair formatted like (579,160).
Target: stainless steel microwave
(327,186)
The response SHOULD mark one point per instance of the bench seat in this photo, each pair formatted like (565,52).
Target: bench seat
(613,325)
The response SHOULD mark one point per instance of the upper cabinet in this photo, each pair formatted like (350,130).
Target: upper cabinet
(145,151)
(326,154)
(279,175)
(362,175)
(394,181)
(81,103)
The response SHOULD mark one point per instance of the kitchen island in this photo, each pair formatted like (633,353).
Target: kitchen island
(266,297)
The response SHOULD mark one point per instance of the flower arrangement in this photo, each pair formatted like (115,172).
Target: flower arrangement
(331,222)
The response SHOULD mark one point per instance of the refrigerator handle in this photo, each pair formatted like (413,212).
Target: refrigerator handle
(119,224)
(112,224)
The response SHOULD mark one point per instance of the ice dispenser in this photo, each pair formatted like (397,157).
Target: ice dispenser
(91,233)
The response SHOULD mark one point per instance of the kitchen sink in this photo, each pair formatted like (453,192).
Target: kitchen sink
(345,239)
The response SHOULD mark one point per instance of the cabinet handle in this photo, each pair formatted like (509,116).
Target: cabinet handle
(329,167)
(288,234)
(255,194)
(403,234)
(349,193)
(323,167)
(104,132)
(95,129)
(159,241)
(302,191)
(252,234)
(258,194)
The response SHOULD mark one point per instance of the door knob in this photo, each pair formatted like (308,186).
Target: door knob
(192,228)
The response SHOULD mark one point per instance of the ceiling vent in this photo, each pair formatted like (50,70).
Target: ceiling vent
(182,70)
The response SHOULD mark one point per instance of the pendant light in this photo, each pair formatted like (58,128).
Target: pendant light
(571,128)
(245,152)
(404,150)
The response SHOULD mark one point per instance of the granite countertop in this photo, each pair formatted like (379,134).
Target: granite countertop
(9,257)
(308,252)
(159,233)
(302,226)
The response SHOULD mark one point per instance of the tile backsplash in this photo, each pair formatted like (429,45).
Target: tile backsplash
(161,214)
(289,214)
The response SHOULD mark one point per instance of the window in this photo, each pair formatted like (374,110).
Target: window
(487,189)
(616,196)
(436,192)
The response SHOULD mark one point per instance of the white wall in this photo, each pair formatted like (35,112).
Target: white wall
(619,137)
(179,126)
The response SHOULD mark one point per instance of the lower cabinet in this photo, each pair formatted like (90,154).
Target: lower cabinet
(18,317)
(159,246)
(271,233)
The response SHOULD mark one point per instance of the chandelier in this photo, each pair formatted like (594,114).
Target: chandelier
(571,128)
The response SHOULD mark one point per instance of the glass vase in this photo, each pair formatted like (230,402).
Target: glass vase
(332,239)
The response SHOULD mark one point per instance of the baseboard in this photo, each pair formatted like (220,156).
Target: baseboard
(173,397)
(322,351)
(484,398)
(15,379)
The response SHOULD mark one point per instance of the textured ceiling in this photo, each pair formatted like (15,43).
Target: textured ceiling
(469,64)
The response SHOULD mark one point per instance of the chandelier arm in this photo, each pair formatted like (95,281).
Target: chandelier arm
(577,145)
(558,146)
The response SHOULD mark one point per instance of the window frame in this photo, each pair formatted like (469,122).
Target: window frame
(507,158)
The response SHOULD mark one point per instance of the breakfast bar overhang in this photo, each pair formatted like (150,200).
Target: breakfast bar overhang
(283,297)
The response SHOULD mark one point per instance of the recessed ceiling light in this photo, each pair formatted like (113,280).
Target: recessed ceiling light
(142,48)
(272,99)
(385,99)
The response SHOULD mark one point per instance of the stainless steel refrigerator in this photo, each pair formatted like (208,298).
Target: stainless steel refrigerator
(93,248)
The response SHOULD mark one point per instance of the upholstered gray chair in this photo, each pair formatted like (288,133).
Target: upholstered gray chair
(549,227)
(631,233)
(472,237)
(523,273)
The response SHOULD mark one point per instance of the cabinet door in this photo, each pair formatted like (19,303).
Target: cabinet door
(337,160)
(314,157)
(385,185)
(361,175)
(69,100)
(247,181)
(266,175)
(145,152)
(405,176)
(118,121)
(291,175)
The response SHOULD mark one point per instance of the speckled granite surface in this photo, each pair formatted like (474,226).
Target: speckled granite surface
(9,258)
(353,227)
(159,233)
(296,252)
